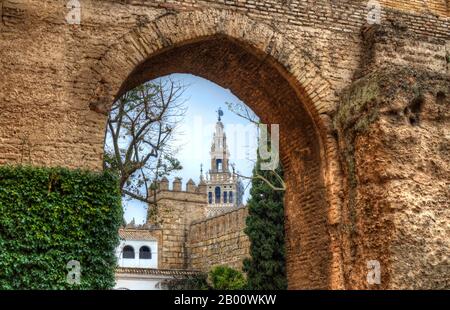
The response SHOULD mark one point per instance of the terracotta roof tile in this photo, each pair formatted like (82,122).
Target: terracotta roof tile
(137,234)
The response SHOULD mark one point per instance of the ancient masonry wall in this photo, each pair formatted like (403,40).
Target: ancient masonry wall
(175,210)
(47,82)
(219,240)
(392,124)
(381,195)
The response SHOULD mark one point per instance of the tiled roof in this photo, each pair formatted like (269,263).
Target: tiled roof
(159,272)
(137,234)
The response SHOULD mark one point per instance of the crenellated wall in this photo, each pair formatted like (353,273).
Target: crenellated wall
(175,210)
(219,240)
(190,240)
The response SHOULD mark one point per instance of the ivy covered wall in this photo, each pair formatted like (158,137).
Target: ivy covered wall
(50,216)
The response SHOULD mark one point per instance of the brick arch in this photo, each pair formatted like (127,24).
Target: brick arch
(280,84)
(166,32)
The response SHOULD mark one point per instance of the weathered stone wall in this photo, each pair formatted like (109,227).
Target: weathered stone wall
(290,61)
(438,7)
(394,142)
(219,240)
(174,212)
(47,64)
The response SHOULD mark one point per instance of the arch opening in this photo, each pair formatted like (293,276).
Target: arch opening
(145,252)
(128,252)
(262,83)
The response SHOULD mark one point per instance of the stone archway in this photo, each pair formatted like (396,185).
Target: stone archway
(385,198)
(280,84)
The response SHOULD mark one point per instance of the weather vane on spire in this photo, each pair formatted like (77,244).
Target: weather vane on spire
(220,113)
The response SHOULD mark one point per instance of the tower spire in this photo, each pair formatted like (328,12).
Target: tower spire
(201,172)
(220,114)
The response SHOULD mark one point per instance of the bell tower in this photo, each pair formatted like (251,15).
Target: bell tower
(219,149)
(224,189)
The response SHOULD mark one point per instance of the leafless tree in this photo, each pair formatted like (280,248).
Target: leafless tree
(139,136)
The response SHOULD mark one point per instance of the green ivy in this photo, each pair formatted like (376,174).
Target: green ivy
(49,216)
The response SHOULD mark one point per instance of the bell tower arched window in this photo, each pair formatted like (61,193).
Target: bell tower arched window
(210,196)
(218,195)
(219,164)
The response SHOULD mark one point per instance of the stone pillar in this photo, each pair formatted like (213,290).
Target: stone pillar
(391,126)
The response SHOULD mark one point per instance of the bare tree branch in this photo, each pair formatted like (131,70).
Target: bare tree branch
(260,177)
(245,113)
(140,130)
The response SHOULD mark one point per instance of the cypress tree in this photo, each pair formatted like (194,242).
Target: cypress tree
(266,269)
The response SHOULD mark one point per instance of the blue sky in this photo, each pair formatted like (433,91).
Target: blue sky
(203,99)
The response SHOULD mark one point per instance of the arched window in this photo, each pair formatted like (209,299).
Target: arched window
(219,164)
(231,197)
(210,197)
(217,191)
(145,253)
(128,252)
(225,197)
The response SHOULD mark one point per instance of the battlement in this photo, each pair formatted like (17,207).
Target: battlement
(177,186)
(219,240)
(234,217)
(178,205)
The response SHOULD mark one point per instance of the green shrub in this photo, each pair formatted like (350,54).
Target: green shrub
(49,216)
(266,268)
(226,278)
(194,282)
